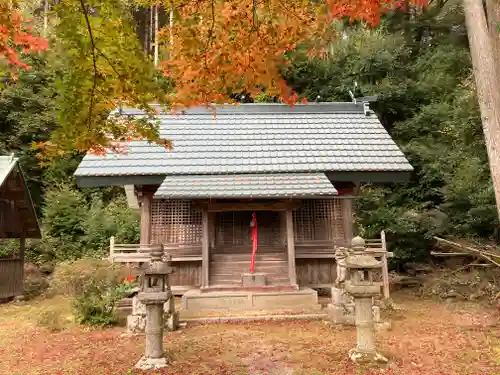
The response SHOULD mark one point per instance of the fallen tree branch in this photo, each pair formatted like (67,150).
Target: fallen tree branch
(491,260)
(467,248)
(484,254)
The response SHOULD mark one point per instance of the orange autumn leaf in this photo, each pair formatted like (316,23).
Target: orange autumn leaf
(16,36)
(223,47)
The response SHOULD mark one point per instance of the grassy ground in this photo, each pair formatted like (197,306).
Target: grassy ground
(427,338)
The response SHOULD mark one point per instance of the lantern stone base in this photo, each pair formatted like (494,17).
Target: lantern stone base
(151,363)
(253,279)
(366,358)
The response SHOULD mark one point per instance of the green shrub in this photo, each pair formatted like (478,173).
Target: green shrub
(70,278)
(95,306)
(51,319)
(64,212)
(409,230)
(8,247)
(35,282)
(76,225)
(94,285)
(114,219)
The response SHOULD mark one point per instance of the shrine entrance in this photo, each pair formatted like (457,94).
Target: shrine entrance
(231,247)
(233,232)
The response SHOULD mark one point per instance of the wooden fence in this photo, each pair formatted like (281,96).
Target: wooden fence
(11,278)
(378,248)
(135,253)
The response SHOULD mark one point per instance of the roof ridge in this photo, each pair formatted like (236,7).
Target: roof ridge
(258,108)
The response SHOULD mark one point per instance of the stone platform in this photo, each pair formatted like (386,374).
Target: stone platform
(196,302)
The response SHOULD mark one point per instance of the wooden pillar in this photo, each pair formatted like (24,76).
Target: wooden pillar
(22,245)
(211,221)
(22,249)
(385,267)
(292,273)
(348,220)
(205,254)
(283,228)
(146,219)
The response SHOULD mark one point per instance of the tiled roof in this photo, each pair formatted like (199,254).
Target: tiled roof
(284,185)
(256,138)
(7,163)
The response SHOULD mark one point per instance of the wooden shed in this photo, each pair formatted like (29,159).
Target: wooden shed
(290,174)
(17,221)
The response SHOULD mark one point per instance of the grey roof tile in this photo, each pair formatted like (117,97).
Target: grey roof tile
(250,138)
(7,163)
(284,185)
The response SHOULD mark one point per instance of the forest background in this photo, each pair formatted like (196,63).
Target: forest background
(417,63)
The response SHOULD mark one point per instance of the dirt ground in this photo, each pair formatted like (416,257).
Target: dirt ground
(426,337)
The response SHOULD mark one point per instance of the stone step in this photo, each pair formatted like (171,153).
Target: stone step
(224,279)
(240,264)
(197,303)
(237,273)
(227,269)
(246,257)
(237,276)
(244,265)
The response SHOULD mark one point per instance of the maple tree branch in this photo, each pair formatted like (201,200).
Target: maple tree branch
(210,32)
(254,12)
(109,62)
(95,49)
(282,4)
(94,60)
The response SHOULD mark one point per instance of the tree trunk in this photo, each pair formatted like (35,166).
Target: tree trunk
(485,74)
(493,14)
(157,44)
(45,17)
(171,27)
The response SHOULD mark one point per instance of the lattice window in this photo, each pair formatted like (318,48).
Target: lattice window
(175,222)
(319,220)
(233,228)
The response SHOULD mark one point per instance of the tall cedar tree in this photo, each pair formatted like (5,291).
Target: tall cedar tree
(483,42)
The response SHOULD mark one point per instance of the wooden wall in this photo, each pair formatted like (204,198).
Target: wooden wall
(319,226)
(316,272)
(233,228)
(186,274)
(323,220)
(175,222)
(11,277)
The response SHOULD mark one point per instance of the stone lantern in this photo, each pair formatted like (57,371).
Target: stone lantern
(363,289)
(154,292)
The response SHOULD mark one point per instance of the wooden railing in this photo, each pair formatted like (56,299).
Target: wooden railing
(378,248)
(315,250)
(11,277)
(326,250)
(135,253)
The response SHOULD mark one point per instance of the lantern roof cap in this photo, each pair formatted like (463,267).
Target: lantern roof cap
(362,262)
(158,268)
